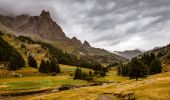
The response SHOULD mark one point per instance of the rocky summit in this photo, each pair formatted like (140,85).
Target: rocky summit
(41,25)
(86,44)
(75,40)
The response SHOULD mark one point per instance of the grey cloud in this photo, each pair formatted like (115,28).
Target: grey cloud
(109,24)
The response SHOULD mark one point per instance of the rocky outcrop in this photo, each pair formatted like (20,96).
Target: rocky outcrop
(75,40)
(86,44)
(44,26)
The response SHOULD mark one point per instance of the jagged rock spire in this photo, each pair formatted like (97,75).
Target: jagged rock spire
(86,44)
(75,40)
(45,14)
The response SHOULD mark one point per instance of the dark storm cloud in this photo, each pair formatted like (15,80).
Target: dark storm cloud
(109,24)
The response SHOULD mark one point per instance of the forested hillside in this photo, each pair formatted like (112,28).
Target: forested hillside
(10,57)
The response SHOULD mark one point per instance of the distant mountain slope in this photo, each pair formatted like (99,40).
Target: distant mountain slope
(129,53)
(163,53)
(43,28)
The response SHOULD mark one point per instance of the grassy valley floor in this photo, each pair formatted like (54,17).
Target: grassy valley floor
(155,87)
(114,87)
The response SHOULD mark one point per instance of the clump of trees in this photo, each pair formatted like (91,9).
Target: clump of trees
(147,64)
(101,71)
(49,67)
(10,56)
(32,62)
(79,74)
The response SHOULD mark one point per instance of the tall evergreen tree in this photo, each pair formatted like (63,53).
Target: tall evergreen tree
(49,67)
(90,73)
(155,67)
(42,66)
(32,62)
(54,67)
(78,73)
(137,69)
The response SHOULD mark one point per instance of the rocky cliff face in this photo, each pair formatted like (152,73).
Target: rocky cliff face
(41,25)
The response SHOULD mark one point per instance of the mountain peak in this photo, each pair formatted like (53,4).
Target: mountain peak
(45,14)
(43,26)
(86,44)
(75,40)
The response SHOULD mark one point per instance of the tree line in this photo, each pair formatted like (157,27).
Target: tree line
(142,66)
(63,57)
(49,67)
(79,74)
(69,59)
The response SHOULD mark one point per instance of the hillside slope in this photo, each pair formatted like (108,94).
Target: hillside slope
(26,47)
(163,53)
(156,87)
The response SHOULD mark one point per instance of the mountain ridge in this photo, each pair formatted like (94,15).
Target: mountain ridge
(129,54)
(45,28)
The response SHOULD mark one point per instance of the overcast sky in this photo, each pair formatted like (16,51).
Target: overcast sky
(110,24)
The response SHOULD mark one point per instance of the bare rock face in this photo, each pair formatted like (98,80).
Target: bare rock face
(44,26)
(86,44)
(41,25)
(75,40)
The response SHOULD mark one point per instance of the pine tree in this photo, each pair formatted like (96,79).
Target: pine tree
(12,65)
(47,66)
(58,68)
(78,73)
(90,73)
(54,67)
(155,67)
(42,66)
(32,62)
(137,69)
(102,73)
